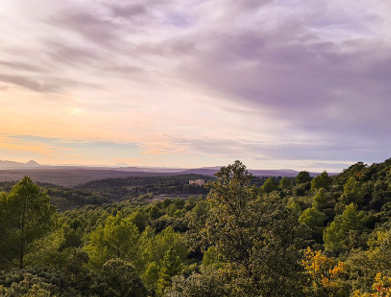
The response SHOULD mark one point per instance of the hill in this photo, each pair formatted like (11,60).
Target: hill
(9,165)
(70,176)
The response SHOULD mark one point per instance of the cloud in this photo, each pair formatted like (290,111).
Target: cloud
(272,79)
(21,66)
(276,150)
(29,83)
(332,166)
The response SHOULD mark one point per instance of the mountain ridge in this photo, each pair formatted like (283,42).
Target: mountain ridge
(209,171)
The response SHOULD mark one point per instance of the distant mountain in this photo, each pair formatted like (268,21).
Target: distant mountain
(32,164)
(210,171)
(151,169)
(121,165)
(10,165)
(201,171)
(72,175)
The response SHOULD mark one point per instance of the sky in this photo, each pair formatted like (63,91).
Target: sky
(277,84)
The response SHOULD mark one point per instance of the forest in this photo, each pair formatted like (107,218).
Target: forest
(327,235)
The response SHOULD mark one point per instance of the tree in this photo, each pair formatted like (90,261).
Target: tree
(30,286)
(335,236)
(381,287)
(379,252)
(211,257)
(321,200)
(314,220)
(352,192)
(325,274)
(156,247)
(303,177)
(139,219)
(121,236)
(258,237)
(321,181)
(121,279)
(294,207)
(285,183)
(352,218)
(212,284)
(26,216)
(170,266)
(117,239)
(151,276)
(269,186)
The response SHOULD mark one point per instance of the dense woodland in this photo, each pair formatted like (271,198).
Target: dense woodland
(239,236)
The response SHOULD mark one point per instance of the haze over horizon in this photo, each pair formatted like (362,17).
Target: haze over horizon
(274,83)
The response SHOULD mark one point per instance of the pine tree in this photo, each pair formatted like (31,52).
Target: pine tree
(170,266)
(26,216)
(321,181)
(321,199)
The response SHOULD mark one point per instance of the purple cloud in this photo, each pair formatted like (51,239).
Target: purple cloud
(321,71)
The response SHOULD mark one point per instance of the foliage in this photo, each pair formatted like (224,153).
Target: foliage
(321,181)
(248,232)
(251,236)
(120,279)
(336,235)
(30,286)
(324,274)
(381,287)
(314,219)
(25,217)
(303,177)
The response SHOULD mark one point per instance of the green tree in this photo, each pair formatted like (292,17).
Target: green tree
(121,236)
(333,236)
(170,266)
(294,207)
(211,257)
(121,280)
(321,199)
(26,216)
(257,237)
(157,246)
(336,235)
(321,181)
(117,239)
(97,249)
(269,186)
(314,220)
(151,276)
(285,183)
(303,177)
(352,218)
(212,284)
(139,219)
(30,286)
(352,192)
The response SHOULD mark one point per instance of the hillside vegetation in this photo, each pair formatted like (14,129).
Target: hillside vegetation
(241,236)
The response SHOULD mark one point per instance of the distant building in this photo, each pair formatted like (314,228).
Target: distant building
(197,182)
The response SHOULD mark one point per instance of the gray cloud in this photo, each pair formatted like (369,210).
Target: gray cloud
(21,66)
(52,85)
(29,83)
(101,31)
